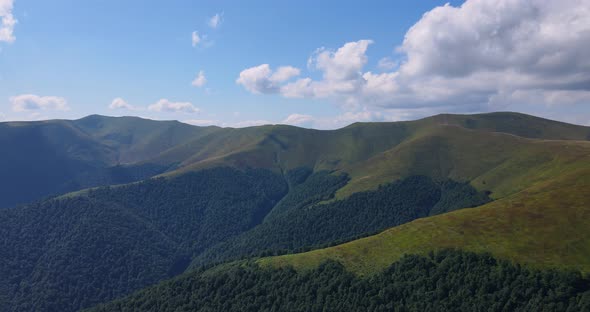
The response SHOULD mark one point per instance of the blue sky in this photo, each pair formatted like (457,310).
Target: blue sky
(341,61)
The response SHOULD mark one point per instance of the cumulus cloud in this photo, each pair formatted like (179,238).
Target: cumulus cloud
(345,63)
(165,105)
(262,80)
(341,72)
(31,102)
(119,103)
(7,21)
(200,80)
(215,20)
(482,55)
(196,39)
(480,52)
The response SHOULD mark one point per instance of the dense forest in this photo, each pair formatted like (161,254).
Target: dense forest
(73,252)
(442,281)
(303,220)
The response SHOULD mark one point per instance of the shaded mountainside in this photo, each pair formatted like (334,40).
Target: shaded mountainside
(442,281)
(69,253)
(41,159)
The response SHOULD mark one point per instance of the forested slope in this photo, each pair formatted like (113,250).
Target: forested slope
(73,252)
(304,220)
(442,281)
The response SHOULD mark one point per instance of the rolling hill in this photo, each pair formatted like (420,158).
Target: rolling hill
(544,226)
(54,157)
(213,194)
(494,256)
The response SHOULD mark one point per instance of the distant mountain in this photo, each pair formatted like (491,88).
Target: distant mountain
(210,195)
(45,158)
(54,157)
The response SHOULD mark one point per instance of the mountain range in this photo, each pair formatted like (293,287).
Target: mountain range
(99,208)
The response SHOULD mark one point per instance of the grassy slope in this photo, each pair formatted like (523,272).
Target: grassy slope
(136,139)
(547,225)
(372,153)
(488,149)
(285,147)
(517,124)
(499,162)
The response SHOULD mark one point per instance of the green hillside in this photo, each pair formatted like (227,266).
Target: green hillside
(544,226)
(518,124)
(498,162)
(227,193)
(135,139)
(495,152)
(62,156)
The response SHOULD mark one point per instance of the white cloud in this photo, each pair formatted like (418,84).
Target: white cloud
(202,122)
(345,63)
(341,69)
(200,80)
(387,63)
(31,102)
(165,105)
(216,20)
(348,118)
(219,123)
(7,21)
(341,120)
(489,35)
(119,103)
(298,119)
(476,53)
(480,56)
(261,79)
(284,73)
(196,39)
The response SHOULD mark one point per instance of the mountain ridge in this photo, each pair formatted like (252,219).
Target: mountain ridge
(189,194)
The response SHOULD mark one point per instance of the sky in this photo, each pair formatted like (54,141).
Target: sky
(317,64)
